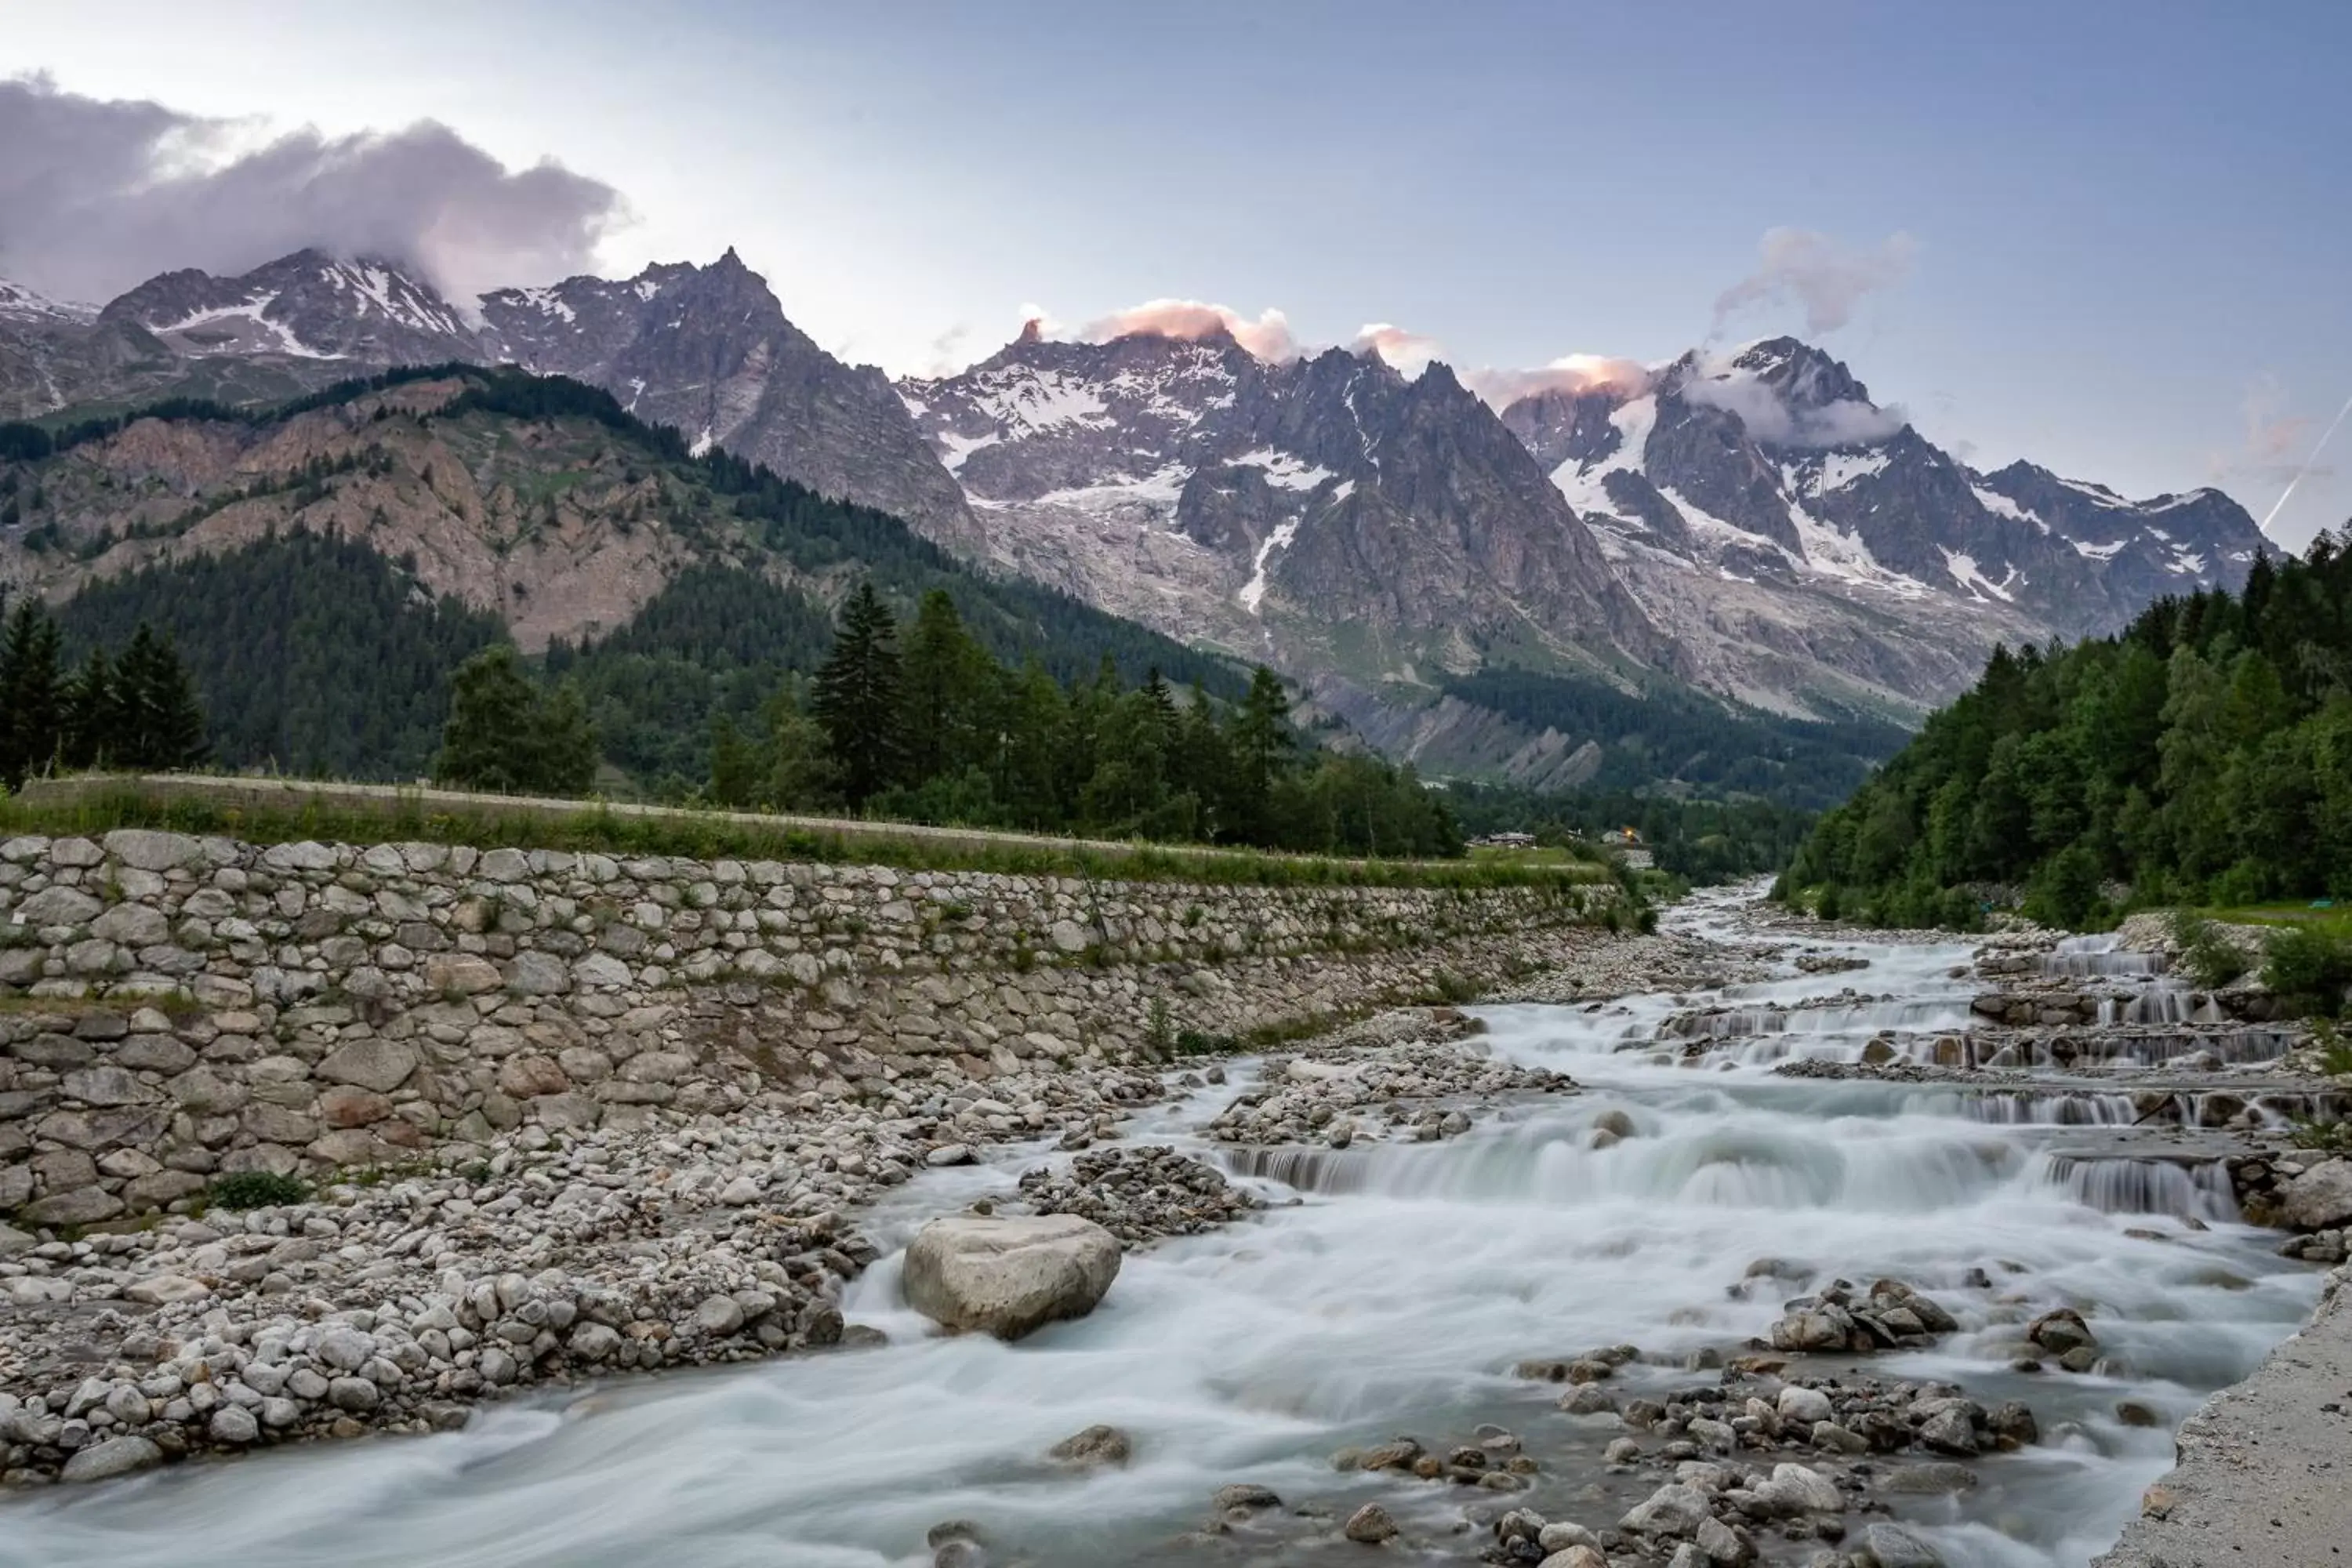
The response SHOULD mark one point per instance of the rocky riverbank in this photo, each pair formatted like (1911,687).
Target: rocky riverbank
(552,1254)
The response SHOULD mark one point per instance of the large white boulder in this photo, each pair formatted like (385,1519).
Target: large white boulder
(2319,1199)
(1009,1275)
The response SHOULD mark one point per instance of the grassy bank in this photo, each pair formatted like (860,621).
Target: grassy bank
(269,811)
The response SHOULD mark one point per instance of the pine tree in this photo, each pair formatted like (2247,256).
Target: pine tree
(158,724)
(562,757)
(90,719)
(858,695)
(948,679)
(1261,742)
(800,773)
(29,693)
(735,769)
(493,718)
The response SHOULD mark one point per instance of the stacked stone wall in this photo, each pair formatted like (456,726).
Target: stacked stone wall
(173,1009)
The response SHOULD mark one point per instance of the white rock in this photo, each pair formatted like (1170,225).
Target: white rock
(115,1456)
(1804,1406)
(1009,1275)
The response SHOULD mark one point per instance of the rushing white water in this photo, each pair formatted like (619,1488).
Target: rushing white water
(1393,1299)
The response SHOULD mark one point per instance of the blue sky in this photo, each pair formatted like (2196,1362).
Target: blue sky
(2129,222)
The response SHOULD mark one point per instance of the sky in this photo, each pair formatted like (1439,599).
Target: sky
(2108,237)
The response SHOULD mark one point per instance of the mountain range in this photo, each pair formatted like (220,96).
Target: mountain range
(1751,524)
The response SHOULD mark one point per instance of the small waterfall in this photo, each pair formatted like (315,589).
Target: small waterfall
(2088,957)
(2126,1184)
(2034,1108)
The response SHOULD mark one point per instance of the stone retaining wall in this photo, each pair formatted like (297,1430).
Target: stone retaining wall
(179,1007)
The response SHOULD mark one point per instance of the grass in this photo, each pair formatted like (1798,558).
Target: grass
(2296,914)
(274,812)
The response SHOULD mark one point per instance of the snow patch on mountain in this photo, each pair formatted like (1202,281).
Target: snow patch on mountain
(1254,591)
(256,311)
(1583,482)
(1284,471)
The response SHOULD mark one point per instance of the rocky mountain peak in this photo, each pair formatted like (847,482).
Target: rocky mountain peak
(1803,376)
(19,303)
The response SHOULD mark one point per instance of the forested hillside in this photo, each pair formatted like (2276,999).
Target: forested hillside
(2202,756)
(325,566)
(1673,733)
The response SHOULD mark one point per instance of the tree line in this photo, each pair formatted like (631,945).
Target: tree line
(932,727)
(2202,756)
(136,709)
(1700,841)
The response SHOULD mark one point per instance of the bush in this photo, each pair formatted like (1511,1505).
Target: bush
(2064,890)
(256,1190)
(2211,958)
(1193,1043)
(2308,969)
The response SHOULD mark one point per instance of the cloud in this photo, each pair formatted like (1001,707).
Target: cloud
(1408,351)
(1770,418)
(98,195)
(1801,266)
(1572,373)
(1269,337)
(2274,445)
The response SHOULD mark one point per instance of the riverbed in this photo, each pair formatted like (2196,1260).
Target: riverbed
(1389,1289)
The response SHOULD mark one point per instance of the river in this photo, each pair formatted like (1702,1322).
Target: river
(1393,1298)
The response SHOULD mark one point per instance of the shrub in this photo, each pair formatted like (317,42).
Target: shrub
(2064,890)
(2207,955)
(2308,969)
(256,1190)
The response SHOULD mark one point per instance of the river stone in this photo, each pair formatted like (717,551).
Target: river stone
(1804,1406)
(1369,1524)
(1247,1496)
(1097,1444)
(1935,1476)
(1009,1276)
(115,1456)
(233,1424)
(1673,1510)
(2319,1199)
(1890,1546)
(1797,1488)
(1577,1555)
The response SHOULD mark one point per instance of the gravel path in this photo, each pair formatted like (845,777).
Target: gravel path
(2265,1470)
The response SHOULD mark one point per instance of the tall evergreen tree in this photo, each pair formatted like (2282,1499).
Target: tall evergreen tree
(91,717)
(493,714)
(159,726)
(949,681)
(29,692)
(562,757)
(858,697)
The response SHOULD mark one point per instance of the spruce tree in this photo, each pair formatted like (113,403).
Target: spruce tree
(858,693)
(29,693)
(801,773)
(563,757)
(493,717)
(1260,739)
(158,724)
(948,680)
(735,770)
(90,719)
